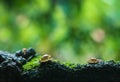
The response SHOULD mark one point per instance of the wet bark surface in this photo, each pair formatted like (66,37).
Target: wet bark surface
(51,71)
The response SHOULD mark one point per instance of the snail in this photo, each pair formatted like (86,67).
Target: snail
(24,50)
(93,61)
(45,58)
(26,53)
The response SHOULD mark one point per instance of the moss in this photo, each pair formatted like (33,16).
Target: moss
(35,63)
(70,65)
(32,64)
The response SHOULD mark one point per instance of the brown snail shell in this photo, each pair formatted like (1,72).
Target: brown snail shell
(93,61)
(24,50)
(45,58)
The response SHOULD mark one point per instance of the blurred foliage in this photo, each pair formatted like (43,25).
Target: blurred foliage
(70,30)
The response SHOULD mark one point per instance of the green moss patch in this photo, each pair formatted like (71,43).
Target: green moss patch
(32,64)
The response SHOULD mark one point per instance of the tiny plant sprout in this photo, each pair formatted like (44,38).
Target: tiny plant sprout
(45,58)
(24,50)
(93,61)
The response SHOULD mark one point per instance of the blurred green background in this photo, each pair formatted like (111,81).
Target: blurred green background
(70,30)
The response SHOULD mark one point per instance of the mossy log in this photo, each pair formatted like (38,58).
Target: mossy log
(56,72)
(53,71)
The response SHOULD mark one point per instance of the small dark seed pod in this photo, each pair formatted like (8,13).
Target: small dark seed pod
(31,51)
(19,53)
